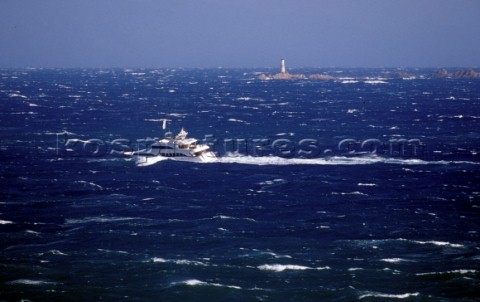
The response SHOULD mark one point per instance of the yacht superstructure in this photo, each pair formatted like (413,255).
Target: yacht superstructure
(176,148)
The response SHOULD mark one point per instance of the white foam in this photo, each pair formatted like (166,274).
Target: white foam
(441,243)
(179,261)
(195,282)
(57,252)
(458,271)
(6,222)
(102,219)
(350,193)
(32,232)
(189,262)
(353,269)
(17,95)
(334,160)
(393,296)
(283,267)
(271,182)
(31,282)
(366,184)
(375,82)
(258,252)
(143,161)
(233,218)
(180,115)
(159,260)
(394,260)
(238,121)
(92,184)
(154,119)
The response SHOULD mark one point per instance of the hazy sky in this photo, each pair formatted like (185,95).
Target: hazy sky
(239,33)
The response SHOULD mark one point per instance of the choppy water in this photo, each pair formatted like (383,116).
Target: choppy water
(364,189)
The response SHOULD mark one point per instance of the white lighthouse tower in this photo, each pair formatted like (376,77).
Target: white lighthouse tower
(283,69)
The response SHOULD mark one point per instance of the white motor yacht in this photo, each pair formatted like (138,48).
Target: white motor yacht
(176,148)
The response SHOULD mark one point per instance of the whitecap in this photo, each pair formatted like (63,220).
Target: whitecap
(179,261)
(366,184)
(17,95)
(375,82)
(395,260)
(283,267)
(349,193)
(195,282)
(458,271)
(235,218)
(189,262)
(393,296)
(92,184)
(245,98)
(31,282)
(32,232)
(101,219)
(353,269)
(111,251)
(159,260)
(238,121)
(6,222)
(258,252)
(440,243)
(179,115)
(154,119)
(56,252)
(272,182)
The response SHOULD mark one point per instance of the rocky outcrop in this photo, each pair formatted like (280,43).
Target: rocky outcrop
(319,76)
(399,75)
(288,76)
(459,74)
(282,76)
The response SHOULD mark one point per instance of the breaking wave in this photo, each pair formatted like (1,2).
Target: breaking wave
(283,267)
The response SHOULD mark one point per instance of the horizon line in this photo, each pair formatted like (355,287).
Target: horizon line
(250,68)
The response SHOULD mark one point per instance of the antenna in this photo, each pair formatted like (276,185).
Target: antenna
(168,134)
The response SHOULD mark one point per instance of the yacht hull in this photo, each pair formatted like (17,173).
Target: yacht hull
(143,160)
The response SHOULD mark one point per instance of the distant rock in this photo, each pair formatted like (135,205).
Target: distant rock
(282,76)
(467,73)
(289,76)
(459,74)
(400,75)
(319,76)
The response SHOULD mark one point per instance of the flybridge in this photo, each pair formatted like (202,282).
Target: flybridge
(177,148)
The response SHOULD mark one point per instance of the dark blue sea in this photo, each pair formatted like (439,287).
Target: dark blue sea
(366,187)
